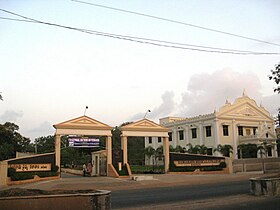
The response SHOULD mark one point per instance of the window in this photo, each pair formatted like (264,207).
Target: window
(248,132)
(269,151)
(159,139)
(225,130)
(194,136)
(150,140)
(240,131)
(254,131)
(181,135)
(208,131)
(170,136)
(209,151)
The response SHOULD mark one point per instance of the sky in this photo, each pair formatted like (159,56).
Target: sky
(50,74)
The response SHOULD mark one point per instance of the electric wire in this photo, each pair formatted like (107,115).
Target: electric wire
(139,39)
(175,21)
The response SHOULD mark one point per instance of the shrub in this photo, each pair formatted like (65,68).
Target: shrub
(11,171)
(223,164)
(54,168)
(21,176)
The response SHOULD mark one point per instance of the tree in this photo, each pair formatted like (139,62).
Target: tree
(225,150)
(275,75)
(45,144)
(12,141)
(149,152)
(247,150)
(180,149)
(159,153)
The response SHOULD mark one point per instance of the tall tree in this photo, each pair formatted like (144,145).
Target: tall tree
(45,144)
(275,75)
(11,141)
(225,150)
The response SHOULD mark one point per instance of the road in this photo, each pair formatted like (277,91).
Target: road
(233,195)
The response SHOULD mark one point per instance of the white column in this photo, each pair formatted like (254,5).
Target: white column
(234,137)
(57,151)
(174,137)
(124,148)
(187,136)
(109,149)
(200,133)
(217,133)
(166,153)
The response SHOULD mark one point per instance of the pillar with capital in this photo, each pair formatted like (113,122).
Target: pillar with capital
(234,136)
(166,153)
(124,148)
(109,149)
(57,151)
(200,133)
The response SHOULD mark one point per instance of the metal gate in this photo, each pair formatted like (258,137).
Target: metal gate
(103,166)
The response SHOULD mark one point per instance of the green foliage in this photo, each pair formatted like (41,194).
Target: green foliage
(247,150)
(147,169)
(275,75)
(22,176)
(43,174)
(123,172)
(45,144)
(54,168)
(223,165)
(197,149)
(135,146)
(12,141)
(225,150)
(11,171)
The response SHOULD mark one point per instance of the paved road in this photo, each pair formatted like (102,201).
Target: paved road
(233,195)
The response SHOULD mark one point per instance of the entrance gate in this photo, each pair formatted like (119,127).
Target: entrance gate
(84,126)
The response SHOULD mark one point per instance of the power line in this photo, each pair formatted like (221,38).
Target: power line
(139,39)
(175,21)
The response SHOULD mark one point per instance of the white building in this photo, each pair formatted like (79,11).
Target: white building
(242,122)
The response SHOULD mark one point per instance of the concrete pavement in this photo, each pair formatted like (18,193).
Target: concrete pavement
(73,182)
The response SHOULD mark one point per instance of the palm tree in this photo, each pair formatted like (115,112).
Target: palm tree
(202,149)
(171,148)
(149,152)
(263,148)
(159,153)
(190,148)
(225,150)
(180,149)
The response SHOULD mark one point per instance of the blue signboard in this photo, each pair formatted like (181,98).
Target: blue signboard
(84,141)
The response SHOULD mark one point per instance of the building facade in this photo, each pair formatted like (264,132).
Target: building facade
(241,122)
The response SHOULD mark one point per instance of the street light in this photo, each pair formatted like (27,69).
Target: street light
(147,113)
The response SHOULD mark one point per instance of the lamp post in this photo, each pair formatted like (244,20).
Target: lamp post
(147,113)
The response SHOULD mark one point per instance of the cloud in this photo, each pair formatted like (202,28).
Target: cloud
(165,108)
(207,92)
(44,129)
(10,116)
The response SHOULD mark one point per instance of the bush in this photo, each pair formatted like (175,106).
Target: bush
(54,168)
(11,171)
(223,164)
(21,176)
(42,174)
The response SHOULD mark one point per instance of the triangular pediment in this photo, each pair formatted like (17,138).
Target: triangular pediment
(244,108)
(83,122)
(144,125)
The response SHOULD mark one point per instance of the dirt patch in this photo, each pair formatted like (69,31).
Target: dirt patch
(34,192)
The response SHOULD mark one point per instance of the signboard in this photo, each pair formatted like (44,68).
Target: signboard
(182,163)
(31,167)
(84,141)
